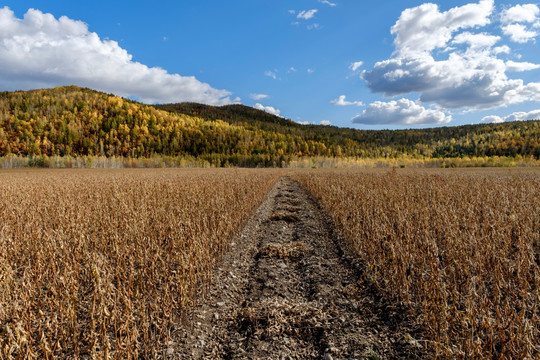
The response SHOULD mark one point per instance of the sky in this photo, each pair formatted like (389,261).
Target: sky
(349,63)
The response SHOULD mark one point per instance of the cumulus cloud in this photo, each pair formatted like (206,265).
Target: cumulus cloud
(326,122)
(402,112)
(307,14)
(512,20)
(40,51)
(341,101)
(504,49)
(327,3)
(475,42)
(520,66)
(522,116)
(268,109)
(258,96)
(517,116)
(493,119)
(471,77)
(356,65)
(520,13)
(425,27)
(519,33)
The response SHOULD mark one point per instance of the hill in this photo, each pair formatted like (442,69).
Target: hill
(506,139)
(73,121)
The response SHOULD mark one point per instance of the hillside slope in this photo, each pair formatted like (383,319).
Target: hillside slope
(73,121)
(506,139)
(76,121)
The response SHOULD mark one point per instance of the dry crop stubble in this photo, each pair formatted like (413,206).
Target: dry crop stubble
(461,248)
(101,263)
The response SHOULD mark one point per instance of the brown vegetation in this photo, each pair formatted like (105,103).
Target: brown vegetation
(101,263)
(461,249)
(104,263)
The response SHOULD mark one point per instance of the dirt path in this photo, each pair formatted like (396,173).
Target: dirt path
(286,290)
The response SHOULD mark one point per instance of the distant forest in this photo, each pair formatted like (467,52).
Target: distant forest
(505,139)
(73,121)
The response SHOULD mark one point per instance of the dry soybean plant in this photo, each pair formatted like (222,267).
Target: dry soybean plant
(102,263)
(461,248)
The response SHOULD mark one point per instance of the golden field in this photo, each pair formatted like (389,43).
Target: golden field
(460,248)
(101,263)
(104,263)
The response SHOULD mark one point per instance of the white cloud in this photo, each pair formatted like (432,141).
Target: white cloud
(471,77)
(292,12)
(327,3)
(268,109)
(520,13)
(513,19)
(520,66)
(522,116)
(517,116)
(356,65)
(314,26)
(402,112)
(475,42)
(292,69)
(307,14)
(519,33)
(326,122)
(310,71)
(528,92)
(425,28)
(271,74)
(303,122)
(41,51)
(341,101)
(461,81)
(493,119)
(258,96)
(237,100)
(504,49)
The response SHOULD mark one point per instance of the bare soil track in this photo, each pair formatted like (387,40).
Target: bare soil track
(288,289)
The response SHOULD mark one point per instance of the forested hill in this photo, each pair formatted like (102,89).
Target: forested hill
(234,114)
(73,121)
(505,139)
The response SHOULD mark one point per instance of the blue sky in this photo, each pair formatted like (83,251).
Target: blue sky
(370,65)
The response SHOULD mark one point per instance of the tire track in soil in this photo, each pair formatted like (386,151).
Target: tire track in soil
(286,289)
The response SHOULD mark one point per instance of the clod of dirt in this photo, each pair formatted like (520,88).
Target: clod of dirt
(284,251)
(284,216)
(273,317)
